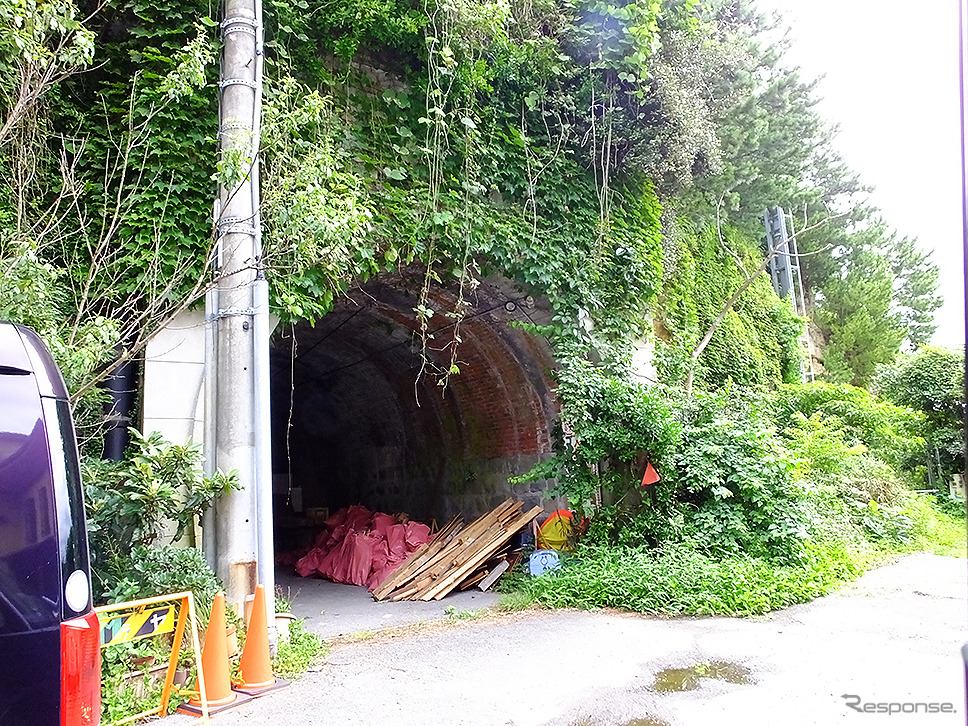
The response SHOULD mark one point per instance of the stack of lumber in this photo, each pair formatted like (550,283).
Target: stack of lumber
(457,555)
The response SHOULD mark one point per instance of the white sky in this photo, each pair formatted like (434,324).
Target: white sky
(891,83)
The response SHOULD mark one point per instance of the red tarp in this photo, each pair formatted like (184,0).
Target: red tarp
(361,547)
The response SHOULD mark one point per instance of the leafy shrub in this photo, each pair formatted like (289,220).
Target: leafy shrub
(892,433)
(931,381)
(152,571)
(129,503)
(825,457)
(611,427)
(736,479)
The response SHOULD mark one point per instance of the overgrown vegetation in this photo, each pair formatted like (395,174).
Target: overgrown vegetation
(456,137)
(681,578)
(131,503)
(614,158)
(297,653)
(765,500)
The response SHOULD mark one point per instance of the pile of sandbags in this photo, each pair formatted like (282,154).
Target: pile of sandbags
(360,547)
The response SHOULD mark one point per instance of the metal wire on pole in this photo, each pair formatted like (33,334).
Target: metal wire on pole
(241,437)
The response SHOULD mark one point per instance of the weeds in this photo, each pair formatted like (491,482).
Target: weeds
(453,613)
(937,528)
(680,580)
(296,655)
(514,600)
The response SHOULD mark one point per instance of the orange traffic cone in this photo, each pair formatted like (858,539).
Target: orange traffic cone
(215,667)
(255,666)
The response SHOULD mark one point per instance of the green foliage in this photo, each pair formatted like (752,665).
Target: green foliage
(512,597)
(315,211)
(39,41)
(855,319)
(152,571)
(916,296)
(892,433)
(453,613)
(682,580)
(931,381)
(300,651)
(936,525)
(130,502)
(609,426)
(128,688)
(732,470)
(727,482)
(33,292)
(139,130)
(459,136)
(758,342)
(826,458)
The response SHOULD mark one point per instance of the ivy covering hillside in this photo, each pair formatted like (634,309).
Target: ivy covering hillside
(614,157)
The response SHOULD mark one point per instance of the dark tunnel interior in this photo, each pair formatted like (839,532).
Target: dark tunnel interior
(353,424)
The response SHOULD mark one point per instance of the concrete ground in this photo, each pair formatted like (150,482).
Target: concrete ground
(331,609)
(890,641)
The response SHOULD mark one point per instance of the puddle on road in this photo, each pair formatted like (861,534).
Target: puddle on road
(685,679)
(671,680)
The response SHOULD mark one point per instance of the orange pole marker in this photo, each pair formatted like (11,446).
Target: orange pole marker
(255,666)
(215,666)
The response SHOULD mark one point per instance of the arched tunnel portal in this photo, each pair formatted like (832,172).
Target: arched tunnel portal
(354,424)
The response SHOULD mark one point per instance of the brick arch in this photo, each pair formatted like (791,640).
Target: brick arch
(365,430)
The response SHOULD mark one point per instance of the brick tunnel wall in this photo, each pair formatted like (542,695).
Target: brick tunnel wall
(363,432)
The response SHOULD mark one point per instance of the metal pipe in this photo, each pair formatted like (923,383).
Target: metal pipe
(211,422)
(262,423)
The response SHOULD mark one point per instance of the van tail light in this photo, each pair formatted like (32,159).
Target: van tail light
(81,671)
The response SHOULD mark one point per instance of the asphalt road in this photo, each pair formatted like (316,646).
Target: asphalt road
(890,641)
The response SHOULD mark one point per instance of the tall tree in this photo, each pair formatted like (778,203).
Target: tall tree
(916,296)
(931,380)
(855,317)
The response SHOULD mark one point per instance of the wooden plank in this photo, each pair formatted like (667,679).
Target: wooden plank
(446,584)
(436,564)
(484,535)
(475,578)
(493,576)
(416,560)
(469,551)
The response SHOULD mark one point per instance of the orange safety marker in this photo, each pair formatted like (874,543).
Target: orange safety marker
(651,476)
(255,666)
(215,668)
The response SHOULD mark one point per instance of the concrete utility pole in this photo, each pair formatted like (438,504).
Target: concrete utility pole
(238,536)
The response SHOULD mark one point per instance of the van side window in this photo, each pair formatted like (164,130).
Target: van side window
(29,586)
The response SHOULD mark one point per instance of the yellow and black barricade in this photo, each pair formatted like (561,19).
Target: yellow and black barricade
(139,619)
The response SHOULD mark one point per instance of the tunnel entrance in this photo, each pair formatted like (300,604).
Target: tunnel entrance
(352,425)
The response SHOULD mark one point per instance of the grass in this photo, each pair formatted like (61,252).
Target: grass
(455,614)
(296,655)
(941,531)
(680,580)
(514,600)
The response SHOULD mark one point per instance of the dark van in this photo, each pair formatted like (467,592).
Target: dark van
(50,659)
